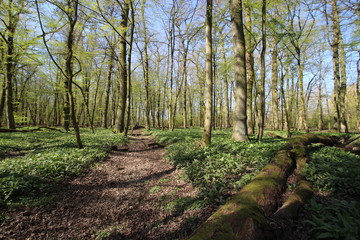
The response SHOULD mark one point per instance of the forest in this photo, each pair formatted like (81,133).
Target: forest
(203,119)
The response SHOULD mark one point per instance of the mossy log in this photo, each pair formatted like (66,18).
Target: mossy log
(291,206)
(244,215)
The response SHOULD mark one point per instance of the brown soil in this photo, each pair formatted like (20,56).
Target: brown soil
(124,197)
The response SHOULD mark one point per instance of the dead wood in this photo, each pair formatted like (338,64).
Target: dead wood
(244,216)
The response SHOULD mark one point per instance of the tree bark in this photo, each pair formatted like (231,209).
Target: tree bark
(339,83)
(121,107)
(250,71)
(129,82)
(239,114)
(338,41)
(358,92)
(73,16)
(108,88)
(206,138)
(261,93)
(274,86)
(10,68)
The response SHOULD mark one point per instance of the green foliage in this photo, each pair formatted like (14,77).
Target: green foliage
(52,157)
(333,170)
(336,219)
(185,203)
(155,189)
(102,234)
(220,167)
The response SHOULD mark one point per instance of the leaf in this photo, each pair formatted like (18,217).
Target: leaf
(324,235)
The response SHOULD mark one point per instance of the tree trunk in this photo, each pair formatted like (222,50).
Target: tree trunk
(73,11)
(274,86)
(132,29)
(261,97)
(302,124)
(250,72)
(184,76)
(358,93)
(335,45)
(108,87)
(206,138)
(120,118)
(239,114)
(3,100)
(226,92)
(10,68)
(342,62)
(145,63)
(244,216)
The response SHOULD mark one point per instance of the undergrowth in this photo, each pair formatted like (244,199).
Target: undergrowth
(50,157)
(335,173)
(223,166)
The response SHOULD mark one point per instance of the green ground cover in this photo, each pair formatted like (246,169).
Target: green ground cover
(223,166)
(335,174)
(50,157)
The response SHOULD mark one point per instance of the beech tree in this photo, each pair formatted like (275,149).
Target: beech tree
(239,116)
(209,75)
(70,10)
(10,16)
(339,68)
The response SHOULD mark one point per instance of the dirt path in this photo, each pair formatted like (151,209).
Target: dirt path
(132,195)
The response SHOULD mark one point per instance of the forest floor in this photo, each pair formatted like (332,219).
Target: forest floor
(134,194)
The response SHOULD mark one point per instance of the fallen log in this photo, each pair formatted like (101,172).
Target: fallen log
(244,216)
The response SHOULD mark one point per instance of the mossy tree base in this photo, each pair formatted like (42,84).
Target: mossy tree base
(244,215)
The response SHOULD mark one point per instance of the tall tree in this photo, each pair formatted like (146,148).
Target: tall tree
(339,68)
(274,85)
(145,63)
(108,82)
(250,48)
(239,114)
(209,76)
(121,107)
(358,92)
(299,29)
(10,19)
(261,87)
(70,10)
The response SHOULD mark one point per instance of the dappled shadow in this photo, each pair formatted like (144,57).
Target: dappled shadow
(121,184)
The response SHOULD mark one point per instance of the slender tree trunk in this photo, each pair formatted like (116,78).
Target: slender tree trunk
(274,87)
(335,45)
(302,124)
(3,100)
(286,109)
(358,93)
(342,89)
(145,63)
(10,68)
(172,51)
(120,118)
(261,98)
(108,88)
(239,114)
(206,138)
(320,108)
(129,95)
(184,76)
(250,72)
(226,93)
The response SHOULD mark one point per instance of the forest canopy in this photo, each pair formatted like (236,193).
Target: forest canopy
(136,62)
